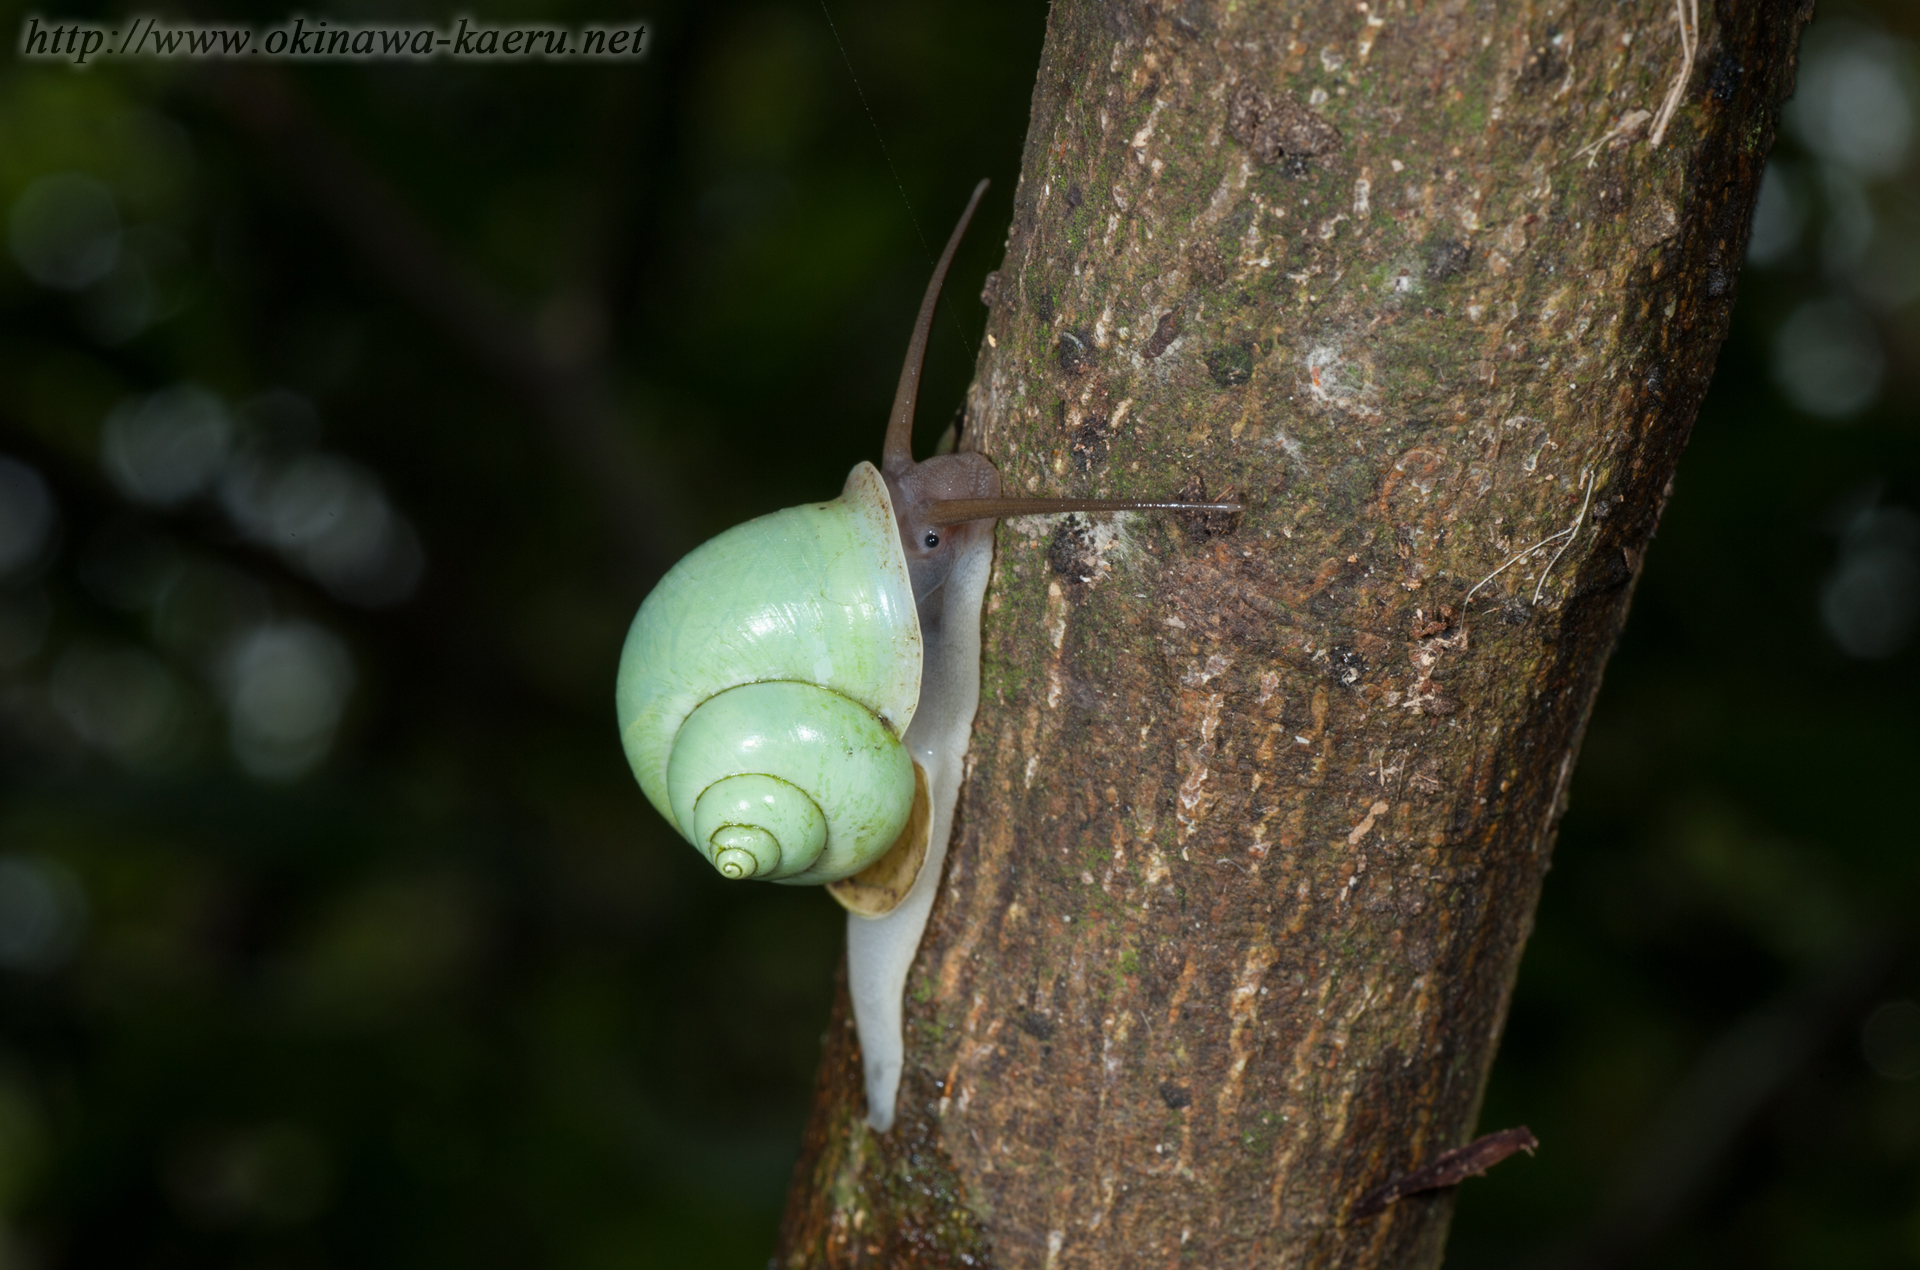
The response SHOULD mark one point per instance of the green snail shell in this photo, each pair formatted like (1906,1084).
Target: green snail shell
(766,684)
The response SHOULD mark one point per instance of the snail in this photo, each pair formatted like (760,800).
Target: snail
(795,695)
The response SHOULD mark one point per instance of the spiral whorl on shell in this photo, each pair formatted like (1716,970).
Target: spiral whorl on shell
(765,686)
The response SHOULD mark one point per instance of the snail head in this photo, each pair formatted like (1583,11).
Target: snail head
(922,492)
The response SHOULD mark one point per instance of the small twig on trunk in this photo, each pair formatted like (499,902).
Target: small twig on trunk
(1450,1168)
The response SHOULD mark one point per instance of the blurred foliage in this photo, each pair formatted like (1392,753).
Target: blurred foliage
(332,927)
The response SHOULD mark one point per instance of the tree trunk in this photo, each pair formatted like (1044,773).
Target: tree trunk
(1258,813)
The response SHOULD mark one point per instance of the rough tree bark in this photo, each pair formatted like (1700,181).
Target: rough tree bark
(1258,814)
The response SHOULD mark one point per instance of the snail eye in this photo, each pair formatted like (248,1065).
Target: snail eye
(932,540)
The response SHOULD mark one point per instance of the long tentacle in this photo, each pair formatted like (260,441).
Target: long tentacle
(955,511)
(897,455)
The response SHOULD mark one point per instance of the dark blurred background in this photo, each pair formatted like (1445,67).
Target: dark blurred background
(344,412)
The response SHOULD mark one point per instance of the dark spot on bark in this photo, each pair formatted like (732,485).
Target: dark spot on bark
(1073,197)
(1232,365)
(1348,665)
(1614,198)
(1164,333)
(1725,79)
(1276,128)
(1175,1096)
(1609,572)
(1070,550)
(1089,443)
(1151,87)
(1543,68)
(1043,308)
(1447,258)
(1185,26)
(1207,263)
(1656,382)
(1037,1026)
(1516,612)
(1076,351)
(1204,525)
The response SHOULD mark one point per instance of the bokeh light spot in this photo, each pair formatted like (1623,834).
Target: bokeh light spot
(1778,218)
(287,687)
(1827,358)
(26,516)
(42,914)
(1870,602)
(165,448)
(65,231)
(1853,101)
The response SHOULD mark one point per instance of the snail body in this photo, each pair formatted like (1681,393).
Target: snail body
(795,696)
(881,945)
